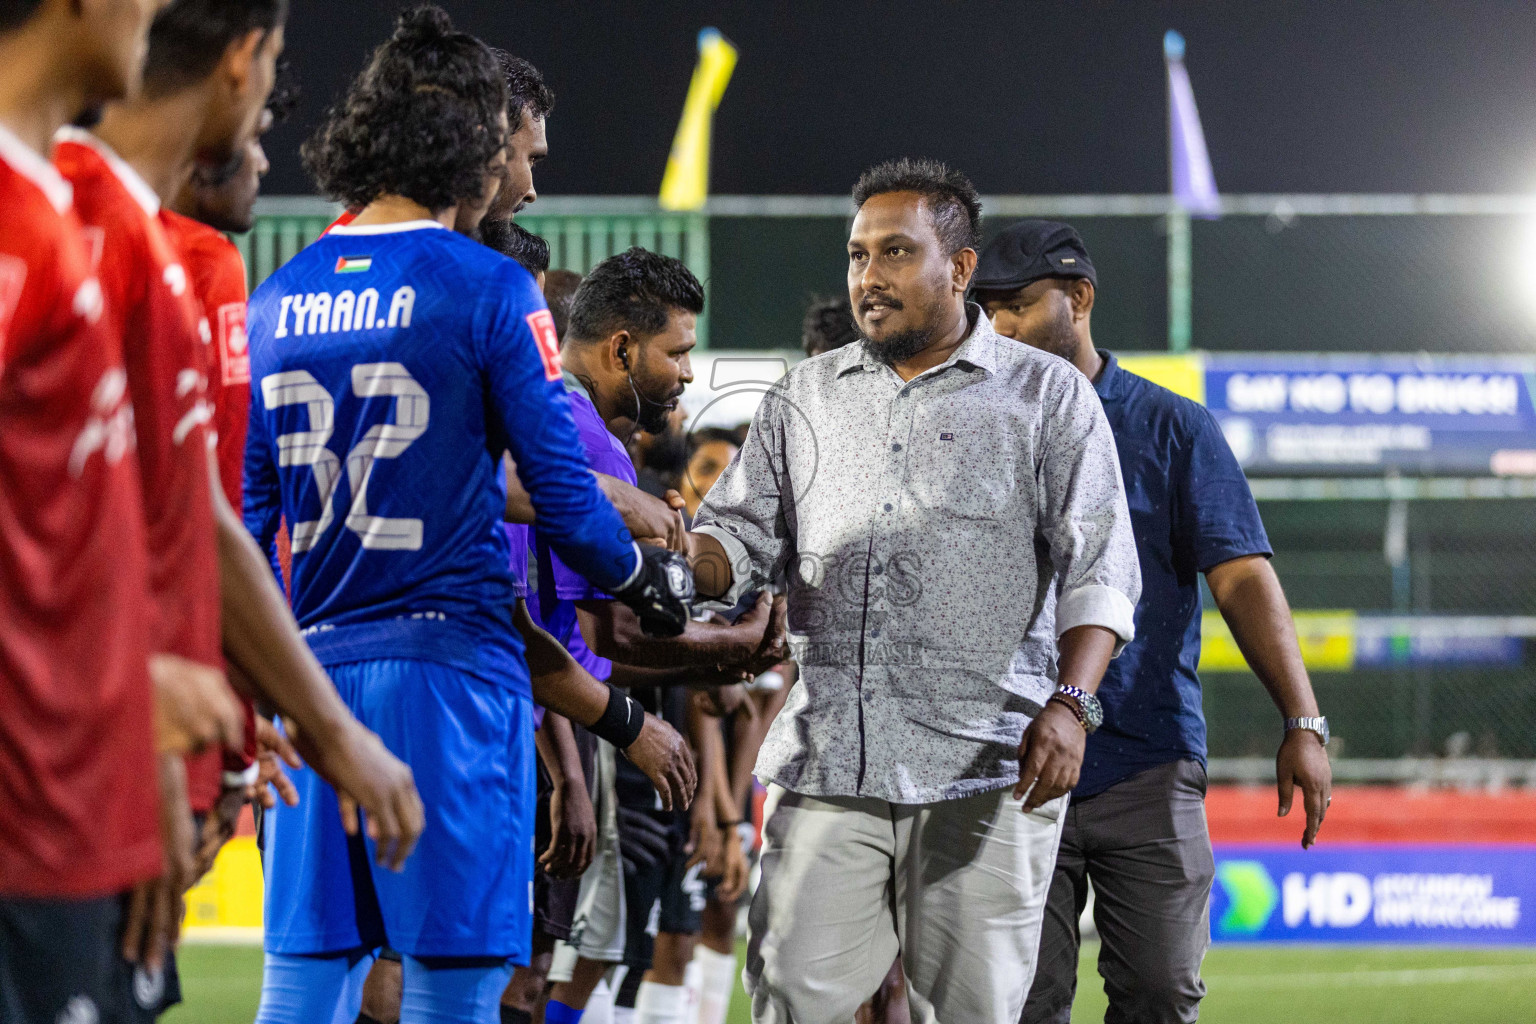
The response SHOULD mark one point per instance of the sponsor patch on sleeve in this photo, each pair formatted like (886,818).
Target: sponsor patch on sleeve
(234,353)
(542,323)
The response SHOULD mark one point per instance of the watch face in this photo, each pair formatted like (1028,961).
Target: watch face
(1092,710)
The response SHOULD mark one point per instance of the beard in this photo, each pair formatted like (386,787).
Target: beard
(903,345)
(654,416)
(496,233)
(1057,336)
(898,347)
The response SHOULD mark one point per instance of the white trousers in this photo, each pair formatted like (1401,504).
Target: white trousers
(957,887)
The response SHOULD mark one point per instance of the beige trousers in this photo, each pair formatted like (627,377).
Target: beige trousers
(957,887)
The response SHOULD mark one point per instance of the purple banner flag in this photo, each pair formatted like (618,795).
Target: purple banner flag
(1194,186)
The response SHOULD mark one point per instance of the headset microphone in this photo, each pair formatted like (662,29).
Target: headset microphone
(633,390)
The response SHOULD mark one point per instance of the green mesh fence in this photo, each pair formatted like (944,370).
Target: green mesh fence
(1275,273)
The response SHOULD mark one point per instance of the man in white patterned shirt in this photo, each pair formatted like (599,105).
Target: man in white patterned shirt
(946,506)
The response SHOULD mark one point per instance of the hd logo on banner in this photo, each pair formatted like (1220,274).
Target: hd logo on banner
(1446,894)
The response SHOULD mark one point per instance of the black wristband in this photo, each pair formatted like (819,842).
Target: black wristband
(621,721)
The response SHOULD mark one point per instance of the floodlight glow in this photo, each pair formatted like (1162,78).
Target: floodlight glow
(1523,278)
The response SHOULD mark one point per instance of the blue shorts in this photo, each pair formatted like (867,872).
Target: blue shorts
(467,888)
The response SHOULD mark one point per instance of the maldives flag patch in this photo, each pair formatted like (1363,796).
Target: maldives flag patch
(542,323)
(354,264)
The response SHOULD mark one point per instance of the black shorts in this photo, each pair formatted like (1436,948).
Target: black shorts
(153,994)
(642,909)
(683,899)
(61,960)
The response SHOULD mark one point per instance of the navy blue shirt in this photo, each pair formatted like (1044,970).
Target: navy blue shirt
(1191,510)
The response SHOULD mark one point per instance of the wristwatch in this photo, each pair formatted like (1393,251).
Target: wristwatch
(1089,712)
(1318,725)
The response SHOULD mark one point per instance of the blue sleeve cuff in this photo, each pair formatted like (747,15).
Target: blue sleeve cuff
(1215,554)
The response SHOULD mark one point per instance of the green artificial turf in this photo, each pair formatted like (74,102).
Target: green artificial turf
(1247,985)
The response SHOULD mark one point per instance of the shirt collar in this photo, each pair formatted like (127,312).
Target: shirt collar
(574,384)
(977,352)
(1111,382)
(30,164)
(124,172)
(385,229)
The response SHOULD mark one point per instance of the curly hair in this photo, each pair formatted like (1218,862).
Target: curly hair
(635,290)
(285,92)
(526,90)
(828,325)
(422,120)
(188,39)
(951,199)
(517,243)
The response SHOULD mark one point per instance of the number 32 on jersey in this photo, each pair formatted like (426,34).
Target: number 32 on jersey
(412,410)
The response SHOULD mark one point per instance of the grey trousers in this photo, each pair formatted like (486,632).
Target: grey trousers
(1144,844)
(957,887)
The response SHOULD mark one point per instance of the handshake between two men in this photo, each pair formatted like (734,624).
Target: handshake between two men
(661,595)
(648,631)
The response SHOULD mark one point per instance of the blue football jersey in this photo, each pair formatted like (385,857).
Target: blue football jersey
(390,368)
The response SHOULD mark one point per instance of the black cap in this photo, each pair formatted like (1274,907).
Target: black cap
(1029,250)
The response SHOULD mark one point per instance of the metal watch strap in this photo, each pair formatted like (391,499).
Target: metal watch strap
(1317,725)
(1089,712)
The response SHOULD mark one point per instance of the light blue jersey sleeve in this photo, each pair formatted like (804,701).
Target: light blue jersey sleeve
(517,350)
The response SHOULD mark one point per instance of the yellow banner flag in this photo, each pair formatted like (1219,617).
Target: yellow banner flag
(685,185)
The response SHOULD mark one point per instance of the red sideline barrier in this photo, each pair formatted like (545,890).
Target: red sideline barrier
(1376,814)
(1360,814)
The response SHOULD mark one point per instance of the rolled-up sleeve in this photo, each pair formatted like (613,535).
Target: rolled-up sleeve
(744,509)
(1084,519)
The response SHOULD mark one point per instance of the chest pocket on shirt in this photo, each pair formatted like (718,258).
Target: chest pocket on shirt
(963,463)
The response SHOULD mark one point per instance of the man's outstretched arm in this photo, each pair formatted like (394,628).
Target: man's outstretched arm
(612,631)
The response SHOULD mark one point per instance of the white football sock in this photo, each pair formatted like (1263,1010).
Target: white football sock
(717,983)
(661,1004)
(599,1005)
(693,983)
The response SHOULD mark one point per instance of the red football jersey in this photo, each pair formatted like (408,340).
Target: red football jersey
(78,798)
(218,282)
(149,293)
